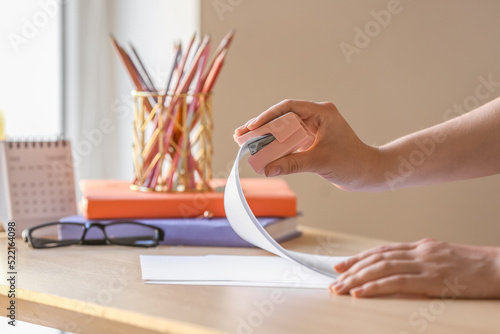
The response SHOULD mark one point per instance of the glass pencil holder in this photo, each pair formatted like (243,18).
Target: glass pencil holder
(172,142)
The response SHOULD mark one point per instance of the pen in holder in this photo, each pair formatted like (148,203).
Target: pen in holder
(172,137)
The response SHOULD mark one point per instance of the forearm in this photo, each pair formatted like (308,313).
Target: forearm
(462,148)
(465,147)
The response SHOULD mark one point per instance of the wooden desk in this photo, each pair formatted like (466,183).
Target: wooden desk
(98,289)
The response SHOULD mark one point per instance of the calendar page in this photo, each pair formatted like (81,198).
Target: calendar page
(38,184)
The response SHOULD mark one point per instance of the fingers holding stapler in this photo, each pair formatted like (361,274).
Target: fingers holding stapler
(275,139)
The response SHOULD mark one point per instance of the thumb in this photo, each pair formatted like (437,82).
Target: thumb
(290,164)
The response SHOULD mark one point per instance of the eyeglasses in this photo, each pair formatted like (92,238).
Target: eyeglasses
(125,233)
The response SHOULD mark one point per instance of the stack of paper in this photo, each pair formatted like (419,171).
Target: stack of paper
(317,271)
(232,270)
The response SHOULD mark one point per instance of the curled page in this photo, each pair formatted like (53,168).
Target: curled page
(244,223)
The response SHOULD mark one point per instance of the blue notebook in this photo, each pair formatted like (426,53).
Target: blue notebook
(199,232)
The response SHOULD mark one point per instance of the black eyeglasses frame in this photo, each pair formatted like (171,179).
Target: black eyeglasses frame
(158,236)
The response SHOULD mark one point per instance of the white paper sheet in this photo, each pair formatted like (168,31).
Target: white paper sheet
(290,269)
(230,270)
(245,224)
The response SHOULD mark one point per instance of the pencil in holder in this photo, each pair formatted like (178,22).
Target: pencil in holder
(172,137)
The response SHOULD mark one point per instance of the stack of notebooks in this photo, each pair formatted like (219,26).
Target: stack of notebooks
(190,218)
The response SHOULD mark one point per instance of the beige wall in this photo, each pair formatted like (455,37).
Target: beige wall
(427,59)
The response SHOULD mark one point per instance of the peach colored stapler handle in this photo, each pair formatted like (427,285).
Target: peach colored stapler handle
(281,136)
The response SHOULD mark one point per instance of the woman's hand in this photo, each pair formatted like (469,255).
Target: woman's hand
(338,155)
(426,267)
(464,147)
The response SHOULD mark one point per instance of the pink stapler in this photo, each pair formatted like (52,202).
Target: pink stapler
(281,136)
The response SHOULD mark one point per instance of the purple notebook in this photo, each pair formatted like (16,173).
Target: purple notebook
(198,232)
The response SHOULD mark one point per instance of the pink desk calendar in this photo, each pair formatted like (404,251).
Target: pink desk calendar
(36,182)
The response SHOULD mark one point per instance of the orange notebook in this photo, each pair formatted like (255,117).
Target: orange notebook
(112,199)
